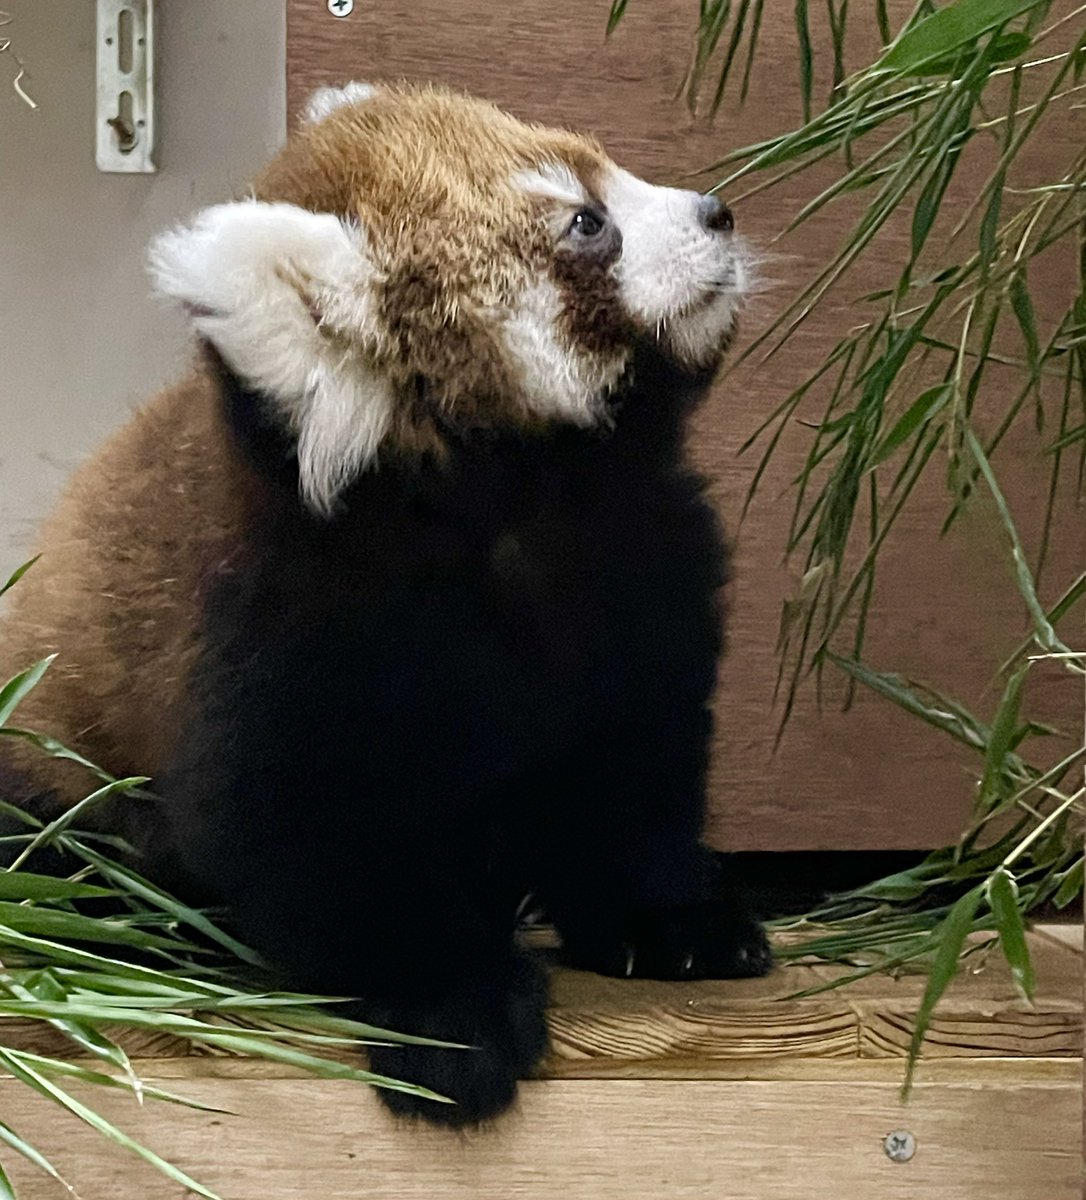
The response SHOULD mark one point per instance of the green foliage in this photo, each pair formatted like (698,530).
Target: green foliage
(942,361)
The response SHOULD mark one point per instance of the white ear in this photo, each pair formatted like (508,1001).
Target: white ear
(286,297)
(326,100)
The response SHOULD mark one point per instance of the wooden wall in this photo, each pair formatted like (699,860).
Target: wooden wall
(945,610)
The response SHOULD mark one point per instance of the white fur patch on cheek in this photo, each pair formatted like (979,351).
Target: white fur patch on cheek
(660,230)
(677,279)
(325,100)
(557,380)
(266,284)
(697,337)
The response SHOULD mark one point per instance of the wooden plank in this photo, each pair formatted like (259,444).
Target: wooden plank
(984,977)
(597,1023)
(1017,1140)
(977,1072)
(963,1030)
(1068,936)
(600,1026)
(704,1031)
(874,777)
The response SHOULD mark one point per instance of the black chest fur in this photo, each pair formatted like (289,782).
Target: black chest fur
(454,629)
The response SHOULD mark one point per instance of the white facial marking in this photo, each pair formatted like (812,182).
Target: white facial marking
(677,279)
(267,284)
(553,181)
(326,100)
(556,380)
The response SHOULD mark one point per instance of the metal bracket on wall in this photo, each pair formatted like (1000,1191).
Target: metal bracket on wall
(125,110)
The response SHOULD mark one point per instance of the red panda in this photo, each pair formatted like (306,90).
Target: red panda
(407,597)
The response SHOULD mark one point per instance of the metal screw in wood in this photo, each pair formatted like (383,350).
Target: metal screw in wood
(900,1145)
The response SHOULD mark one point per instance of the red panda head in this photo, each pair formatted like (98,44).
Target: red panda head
(415,261)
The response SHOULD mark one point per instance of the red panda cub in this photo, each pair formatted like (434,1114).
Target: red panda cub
(407,597)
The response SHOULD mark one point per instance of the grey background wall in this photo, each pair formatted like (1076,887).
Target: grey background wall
(81,339)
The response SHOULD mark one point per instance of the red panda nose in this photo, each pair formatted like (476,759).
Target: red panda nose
(715,215)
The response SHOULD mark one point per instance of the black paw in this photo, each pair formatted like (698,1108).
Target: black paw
(714,939)
(481,1082)
(505,1031)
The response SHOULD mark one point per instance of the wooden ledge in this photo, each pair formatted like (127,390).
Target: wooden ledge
(653,1091)
(602,1026)
(608,1028)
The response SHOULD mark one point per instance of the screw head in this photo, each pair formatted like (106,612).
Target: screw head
(900,1145)
(341,8)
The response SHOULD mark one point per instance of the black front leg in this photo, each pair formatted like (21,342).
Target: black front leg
(405,930)
(630,887)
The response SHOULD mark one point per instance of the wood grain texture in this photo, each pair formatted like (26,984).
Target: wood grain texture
(599,1026)
(945,610)
(608,1028)
(634,1139)
(686,1091)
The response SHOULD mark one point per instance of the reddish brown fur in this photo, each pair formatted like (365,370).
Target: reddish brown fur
(137,535)
(144,525)
(429,175)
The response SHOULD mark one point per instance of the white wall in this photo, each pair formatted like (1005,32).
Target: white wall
(81,341)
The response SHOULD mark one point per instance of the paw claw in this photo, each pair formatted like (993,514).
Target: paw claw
(711,940)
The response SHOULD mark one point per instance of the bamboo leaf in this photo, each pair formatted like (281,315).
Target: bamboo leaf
(806,56)
(50,745)
(1078,434)
(18,574)
(1071,885)
(1057,612)
(135,885)
(838,18)
(33,1155)
(60,923)
(930,402)
(67,818)
(618,10)
(1003,899)
(714,34)
(1004,48)
(1043,631)
(955,25)
(752,46)
(989,225)
(103,1012)
(57,952)
(912,951)
(17,689)
(71,1070)
(950,941)
(1000,743)
(25,885)
(325,1068)
(938,711)
(927,205)
(1022,307)
(905,885)
(44,985)
(35,1079)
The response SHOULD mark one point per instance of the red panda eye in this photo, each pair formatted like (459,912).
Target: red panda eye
(587,223)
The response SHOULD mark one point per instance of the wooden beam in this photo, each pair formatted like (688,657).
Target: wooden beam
(586,1140)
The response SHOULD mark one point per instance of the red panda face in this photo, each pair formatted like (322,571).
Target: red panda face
(415,260)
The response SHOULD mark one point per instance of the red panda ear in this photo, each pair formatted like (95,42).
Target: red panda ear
(326,100)
(286,296)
